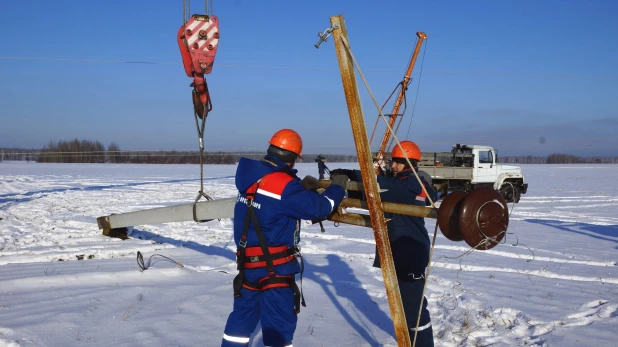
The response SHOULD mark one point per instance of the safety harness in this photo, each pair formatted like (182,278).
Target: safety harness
(264,256)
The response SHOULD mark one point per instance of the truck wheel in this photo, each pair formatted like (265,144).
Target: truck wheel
(510,192)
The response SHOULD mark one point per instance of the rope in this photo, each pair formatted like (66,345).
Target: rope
(420,308)
(144,267)
(186,12)
(404,87)
(405,107)
(201,193)
(208,7)
(418,178)
(200,127)
(400,84)
(345,43)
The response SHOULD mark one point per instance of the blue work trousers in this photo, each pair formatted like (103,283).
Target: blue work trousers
(273,308)
(411,299)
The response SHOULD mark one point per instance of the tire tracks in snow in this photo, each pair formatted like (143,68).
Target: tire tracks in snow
(465,249)
(476,268)
(538,273)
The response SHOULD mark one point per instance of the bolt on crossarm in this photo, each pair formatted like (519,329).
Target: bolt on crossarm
(400,97)
(370,183)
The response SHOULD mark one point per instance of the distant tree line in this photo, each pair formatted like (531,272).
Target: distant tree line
(171,157)
(18,154)
(75,151)
(334,158)
(84,151)
(524,159)
(557,158)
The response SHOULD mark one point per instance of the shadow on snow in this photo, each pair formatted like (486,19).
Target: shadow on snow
(601,232)
(14,198)
(343,288)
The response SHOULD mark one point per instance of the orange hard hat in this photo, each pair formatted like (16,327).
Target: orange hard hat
(411,150)
(289,140)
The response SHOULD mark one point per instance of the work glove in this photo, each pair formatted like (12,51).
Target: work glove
(340,180)
(346,172)
(382,168)
(379,166)
(310,182)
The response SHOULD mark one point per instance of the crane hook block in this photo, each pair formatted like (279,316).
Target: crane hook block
(198,40)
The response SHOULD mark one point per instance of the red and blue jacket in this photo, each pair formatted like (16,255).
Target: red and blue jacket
(280,203)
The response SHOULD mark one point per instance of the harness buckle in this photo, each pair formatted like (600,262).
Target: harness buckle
(243,243)
(254,259)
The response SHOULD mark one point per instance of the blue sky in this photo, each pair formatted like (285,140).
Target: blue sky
(501,73)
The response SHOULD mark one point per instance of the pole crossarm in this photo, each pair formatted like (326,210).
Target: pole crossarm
(391,207)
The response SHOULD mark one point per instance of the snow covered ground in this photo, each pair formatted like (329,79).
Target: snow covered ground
(553,283)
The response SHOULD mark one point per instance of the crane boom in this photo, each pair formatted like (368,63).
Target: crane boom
(406,80)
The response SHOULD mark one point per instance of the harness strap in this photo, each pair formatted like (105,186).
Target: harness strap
(297,294)
(240,278)
(260,235)
(254,257)
(278,281)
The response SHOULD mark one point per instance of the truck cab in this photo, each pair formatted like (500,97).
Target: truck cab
(468,167)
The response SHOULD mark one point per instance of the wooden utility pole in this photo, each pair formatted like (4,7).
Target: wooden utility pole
(370,183)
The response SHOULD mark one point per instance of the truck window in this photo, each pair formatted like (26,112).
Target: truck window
(485,157)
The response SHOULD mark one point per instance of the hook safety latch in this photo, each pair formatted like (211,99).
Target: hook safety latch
(326,34)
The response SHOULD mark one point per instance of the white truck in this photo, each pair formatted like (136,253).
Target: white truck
(467,167)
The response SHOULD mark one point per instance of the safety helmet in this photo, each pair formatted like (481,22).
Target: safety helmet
(411,150)
(286,144)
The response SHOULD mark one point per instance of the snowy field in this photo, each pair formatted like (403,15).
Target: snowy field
(554,282)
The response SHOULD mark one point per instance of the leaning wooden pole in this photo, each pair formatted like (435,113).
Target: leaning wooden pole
(370,183)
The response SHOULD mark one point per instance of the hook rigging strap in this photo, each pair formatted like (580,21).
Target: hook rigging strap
(200,131)
(198,39)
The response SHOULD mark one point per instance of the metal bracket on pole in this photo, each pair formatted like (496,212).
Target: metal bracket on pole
(326,34)
(370,184)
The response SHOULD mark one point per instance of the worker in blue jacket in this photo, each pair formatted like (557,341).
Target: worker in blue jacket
(272,201)
(322,168)
(408,236)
